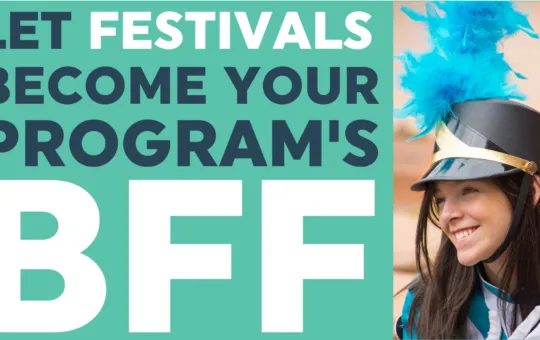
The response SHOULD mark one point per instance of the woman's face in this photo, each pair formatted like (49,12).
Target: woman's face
(475,215)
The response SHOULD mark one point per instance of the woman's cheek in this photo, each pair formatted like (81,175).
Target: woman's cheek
(479,209)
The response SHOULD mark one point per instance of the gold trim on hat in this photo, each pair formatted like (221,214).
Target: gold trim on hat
(451,147)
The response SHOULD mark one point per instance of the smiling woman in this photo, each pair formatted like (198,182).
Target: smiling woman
(474,215)
(482,187)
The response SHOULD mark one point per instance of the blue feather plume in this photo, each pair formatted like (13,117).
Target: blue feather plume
(464,63)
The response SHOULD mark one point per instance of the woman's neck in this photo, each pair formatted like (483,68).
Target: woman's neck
(494,273)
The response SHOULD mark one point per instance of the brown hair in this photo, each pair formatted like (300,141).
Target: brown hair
(442,293)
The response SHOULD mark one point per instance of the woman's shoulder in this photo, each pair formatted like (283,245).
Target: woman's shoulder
(400,327)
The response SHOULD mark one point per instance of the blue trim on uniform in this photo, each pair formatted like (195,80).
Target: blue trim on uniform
(405,317)
(479,312)
(492,288)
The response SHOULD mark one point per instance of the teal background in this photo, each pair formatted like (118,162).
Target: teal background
(216,309)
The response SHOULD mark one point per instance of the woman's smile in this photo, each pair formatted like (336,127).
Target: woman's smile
(462,234)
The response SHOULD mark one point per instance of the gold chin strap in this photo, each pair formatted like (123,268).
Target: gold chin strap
(451,147)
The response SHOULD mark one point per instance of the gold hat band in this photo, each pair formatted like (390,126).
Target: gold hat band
(451,147)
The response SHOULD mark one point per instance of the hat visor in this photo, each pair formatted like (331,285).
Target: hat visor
(460,169)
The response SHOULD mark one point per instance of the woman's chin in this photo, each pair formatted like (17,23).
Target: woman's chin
(468,260)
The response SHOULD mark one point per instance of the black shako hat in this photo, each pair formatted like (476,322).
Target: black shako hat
(460,89)
(485,139)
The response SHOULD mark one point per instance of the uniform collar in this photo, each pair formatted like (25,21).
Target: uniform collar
(484,299)
(491,288)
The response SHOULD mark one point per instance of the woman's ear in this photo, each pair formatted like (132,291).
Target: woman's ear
(536,188)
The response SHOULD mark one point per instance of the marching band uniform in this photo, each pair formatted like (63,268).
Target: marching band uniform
(485,298)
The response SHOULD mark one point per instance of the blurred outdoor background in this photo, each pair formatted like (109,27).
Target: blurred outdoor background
(412,158)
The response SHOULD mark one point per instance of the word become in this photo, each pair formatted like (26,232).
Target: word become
(185,84)
(154,261)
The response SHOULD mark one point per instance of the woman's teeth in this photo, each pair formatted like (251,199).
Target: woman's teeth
(464,233)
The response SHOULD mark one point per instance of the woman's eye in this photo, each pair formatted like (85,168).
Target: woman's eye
(439,201)
(468,191)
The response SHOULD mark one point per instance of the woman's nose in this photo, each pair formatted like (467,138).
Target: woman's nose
(450,211)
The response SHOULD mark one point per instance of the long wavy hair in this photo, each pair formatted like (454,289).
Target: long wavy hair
(442,293)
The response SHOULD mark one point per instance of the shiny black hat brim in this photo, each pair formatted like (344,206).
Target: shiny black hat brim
(460,169)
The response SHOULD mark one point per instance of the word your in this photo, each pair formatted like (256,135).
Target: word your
(136,33)
(154,262)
